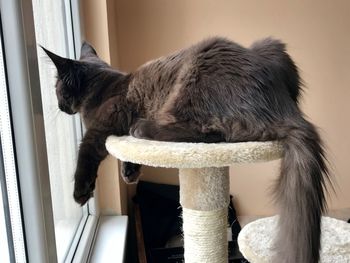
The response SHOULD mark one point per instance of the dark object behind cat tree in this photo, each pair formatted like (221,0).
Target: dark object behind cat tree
(161,223)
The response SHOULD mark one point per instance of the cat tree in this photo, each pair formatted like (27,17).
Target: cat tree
(204,184)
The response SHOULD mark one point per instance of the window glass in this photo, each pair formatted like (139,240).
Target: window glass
(62,131)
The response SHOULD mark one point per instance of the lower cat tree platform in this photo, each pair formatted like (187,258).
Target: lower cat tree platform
(204,196)
(256,240)
(204,184)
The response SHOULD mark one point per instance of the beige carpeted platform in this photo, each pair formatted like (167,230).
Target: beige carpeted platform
(256,240)
(190,155)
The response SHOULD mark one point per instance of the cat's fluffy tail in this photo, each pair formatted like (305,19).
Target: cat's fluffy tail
(300,193)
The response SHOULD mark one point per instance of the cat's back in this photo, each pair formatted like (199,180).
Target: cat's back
(166,70)
(215,68)
(225,77)
(218,56)
(153,82)
(225,68)
(216,46)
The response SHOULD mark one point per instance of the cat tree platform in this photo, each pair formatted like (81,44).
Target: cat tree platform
(256,240)
(204,184)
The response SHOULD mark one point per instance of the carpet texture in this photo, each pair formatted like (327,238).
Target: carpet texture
(256,240)
(190,155)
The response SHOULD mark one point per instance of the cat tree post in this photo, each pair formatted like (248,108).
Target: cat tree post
(204,184)
(204,197)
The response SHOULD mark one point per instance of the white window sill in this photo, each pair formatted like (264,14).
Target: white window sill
(110,240)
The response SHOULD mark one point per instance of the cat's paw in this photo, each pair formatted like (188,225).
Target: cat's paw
(83,191)
(130,172)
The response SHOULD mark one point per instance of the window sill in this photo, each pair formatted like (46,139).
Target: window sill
(110,240)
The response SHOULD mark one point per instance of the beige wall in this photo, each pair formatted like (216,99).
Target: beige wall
(317,33)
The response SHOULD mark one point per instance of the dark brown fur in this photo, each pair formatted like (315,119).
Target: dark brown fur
(214,91)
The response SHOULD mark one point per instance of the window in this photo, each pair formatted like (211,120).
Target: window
(38,143)
(62,131)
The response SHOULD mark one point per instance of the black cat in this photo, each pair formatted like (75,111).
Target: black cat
(214,91)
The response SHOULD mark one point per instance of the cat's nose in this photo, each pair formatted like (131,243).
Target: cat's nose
(66,109)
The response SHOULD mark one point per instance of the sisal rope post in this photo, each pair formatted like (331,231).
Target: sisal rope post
(204,197)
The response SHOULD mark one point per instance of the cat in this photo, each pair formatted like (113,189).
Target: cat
(214,91)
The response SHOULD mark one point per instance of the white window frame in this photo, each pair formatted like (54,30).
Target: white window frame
(20,54)
(10,210)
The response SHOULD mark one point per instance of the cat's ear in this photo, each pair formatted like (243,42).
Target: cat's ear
(87,50)
(63,65)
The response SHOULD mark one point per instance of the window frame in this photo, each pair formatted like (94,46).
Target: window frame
(20,54)
(8,175)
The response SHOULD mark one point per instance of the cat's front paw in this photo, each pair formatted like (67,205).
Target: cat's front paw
(83,191)
(131,172)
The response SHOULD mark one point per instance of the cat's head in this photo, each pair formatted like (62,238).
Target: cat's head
(74,77)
